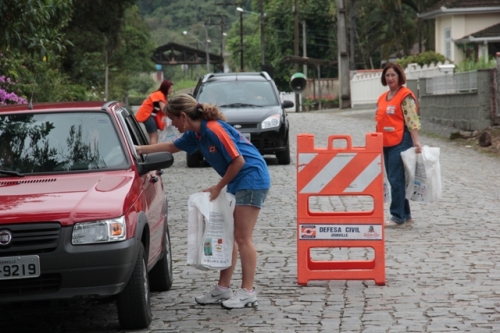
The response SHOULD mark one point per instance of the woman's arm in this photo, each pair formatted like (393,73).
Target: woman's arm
(158,147)
(412,122)
(162,107)
(231,172)
(416,142)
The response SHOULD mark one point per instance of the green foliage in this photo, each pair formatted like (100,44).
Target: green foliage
(34,26)
(424,58)
(319,17)
(121,41)
(136,99)
(142,85)
(37,78)
(468,65)
(184,84)
(387,27)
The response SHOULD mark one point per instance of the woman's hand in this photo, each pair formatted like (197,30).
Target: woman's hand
(137,149)
(418,147)
(214,192)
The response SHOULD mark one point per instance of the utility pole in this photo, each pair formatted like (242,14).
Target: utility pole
(296,46)
(222,33)
(219,20)
(344,77)
(236,3)
(352,34)
(262,46)
(207,47)
(241,42)
(304,47)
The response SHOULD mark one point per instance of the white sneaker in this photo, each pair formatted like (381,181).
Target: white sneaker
(392,224)
(214,296)
(241,299)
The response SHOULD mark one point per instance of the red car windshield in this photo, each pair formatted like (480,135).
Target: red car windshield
(59,141)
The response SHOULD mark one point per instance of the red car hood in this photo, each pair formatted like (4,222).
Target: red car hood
(66,199)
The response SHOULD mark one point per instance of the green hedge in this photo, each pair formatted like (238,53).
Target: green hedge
(136,100)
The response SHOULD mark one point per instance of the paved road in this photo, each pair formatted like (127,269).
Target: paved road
(442,275)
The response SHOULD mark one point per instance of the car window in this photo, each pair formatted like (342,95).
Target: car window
(59,141)
(236,93)
(135,134)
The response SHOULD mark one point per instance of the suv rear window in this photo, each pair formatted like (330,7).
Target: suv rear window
(235,93)
(59,141)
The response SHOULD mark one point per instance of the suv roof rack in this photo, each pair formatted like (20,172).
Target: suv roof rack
(264,74)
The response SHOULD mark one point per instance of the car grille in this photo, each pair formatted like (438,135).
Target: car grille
(31,238)
(261,143)
(247,126)
(45,283)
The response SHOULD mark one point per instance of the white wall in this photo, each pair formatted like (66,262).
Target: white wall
(366,88)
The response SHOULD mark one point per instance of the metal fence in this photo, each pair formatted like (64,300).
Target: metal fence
(452,83)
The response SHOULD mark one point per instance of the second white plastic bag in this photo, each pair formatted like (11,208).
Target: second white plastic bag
(422,174)
(210,231)
(169,133)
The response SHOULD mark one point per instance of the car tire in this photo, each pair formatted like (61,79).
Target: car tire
(134,302)
(284,156)
(193,160)
(161,276)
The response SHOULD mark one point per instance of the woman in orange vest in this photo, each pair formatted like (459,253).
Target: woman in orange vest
(397,118)
(151,112)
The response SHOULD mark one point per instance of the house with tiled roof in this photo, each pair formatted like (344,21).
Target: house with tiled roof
(465,28)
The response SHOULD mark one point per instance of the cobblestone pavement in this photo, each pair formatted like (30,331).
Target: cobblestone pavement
(442,274)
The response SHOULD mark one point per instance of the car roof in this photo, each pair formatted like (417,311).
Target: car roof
(54,106)
(238,76)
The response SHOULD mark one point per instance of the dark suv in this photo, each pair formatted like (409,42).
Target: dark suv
(252,105)
(81,214)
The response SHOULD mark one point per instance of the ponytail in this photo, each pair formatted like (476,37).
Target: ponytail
(194,110)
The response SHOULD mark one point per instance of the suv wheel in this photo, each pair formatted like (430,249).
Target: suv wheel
(161,276)
(284,156)
(133,303)
(193,160)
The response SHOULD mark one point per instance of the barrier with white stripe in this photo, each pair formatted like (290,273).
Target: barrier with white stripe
(341,172)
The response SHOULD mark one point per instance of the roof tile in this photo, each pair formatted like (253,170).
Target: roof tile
(464,4)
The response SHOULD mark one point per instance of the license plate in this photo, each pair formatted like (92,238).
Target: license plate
(247,136)
(19,267)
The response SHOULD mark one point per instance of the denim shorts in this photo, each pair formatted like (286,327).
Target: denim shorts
(251,197)
(150,125)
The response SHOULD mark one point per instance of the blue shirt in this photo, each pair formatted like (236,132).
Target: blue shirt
(220,143)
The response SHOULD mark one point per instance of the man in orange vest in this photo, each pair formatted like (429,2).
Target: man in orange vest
(151,112)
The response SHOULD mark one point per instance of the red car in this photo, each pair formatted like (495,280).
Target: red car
(81,214)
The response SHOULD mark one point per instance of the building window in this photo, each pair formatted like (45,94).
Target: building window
(447,43)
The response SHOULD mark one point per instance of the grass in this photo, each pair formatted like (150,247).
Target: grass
(184,84)
(472,65)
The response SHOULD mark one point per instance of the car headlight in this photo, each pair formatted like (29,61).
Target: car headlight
(272,121)
(104,231)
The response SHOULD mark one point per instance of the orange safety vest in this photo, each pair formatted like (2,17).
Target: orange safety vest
(148,108)
(390,118)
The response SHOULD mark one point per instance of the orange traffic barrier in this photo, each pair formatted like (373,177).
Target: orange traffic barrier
(348,171)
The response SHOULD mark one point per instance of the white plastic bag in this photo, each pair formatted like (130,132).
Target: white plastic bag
(210,231)
(169,133)
(422,174)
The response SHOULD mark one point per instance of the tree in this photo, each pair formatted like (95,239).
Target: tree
(319,16)
(384,27)
(94,39)
(34,26)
